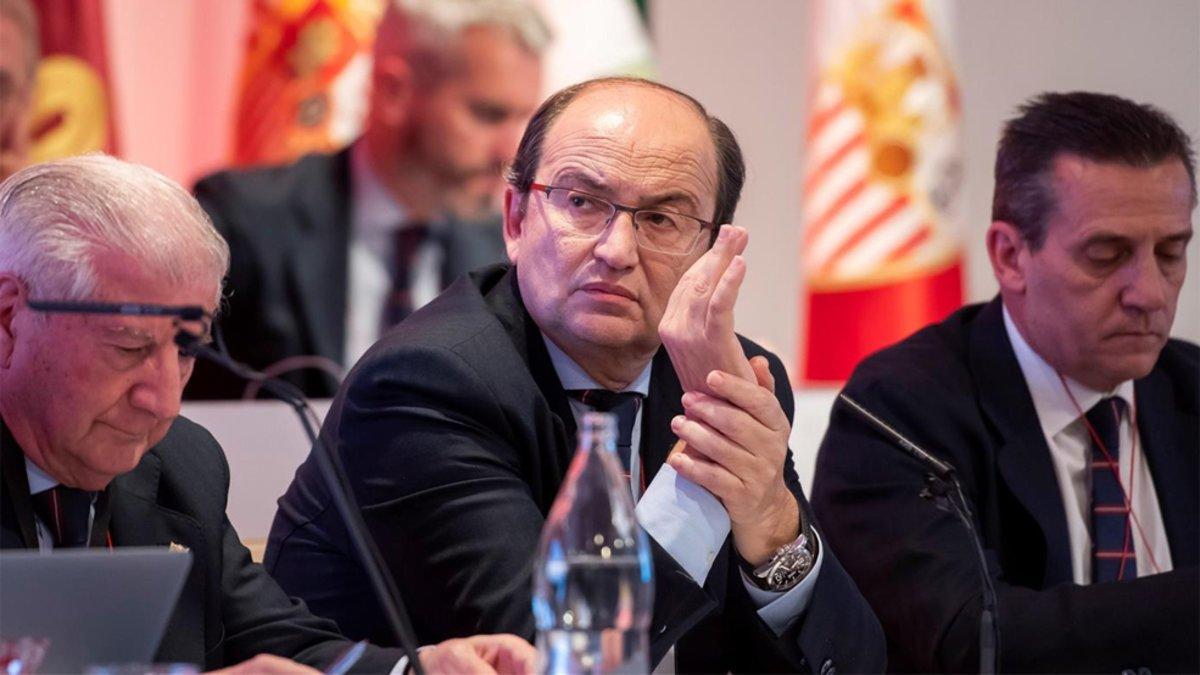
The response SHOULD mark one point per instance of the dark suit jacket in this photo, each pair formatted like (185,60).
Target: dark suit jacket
(289,229)
(457,434)
(230,609)
(957,390)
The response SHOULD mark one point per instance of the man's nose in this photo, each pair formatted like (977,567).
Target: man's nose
(617,246)
(159,387)
(1145,285)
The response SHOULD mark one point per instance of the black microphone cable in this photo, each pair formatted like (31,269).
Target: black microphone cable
(942,486)
(339,489)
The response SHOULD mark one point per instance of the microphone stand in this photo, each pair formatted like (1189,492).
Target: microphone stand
(943,488)
(339,488)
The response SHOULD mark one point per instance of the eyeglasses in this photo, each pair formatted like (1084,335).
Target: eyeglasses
(180,313)
(655,229)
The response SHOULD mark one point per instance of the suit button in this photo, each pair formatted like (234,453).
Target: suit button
(827,668)
(1143,671)
(803,663)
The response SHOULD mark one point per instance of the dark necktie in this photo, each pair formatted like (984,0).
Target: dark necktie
(66,512)
(406,242)
(1113,556)
(624,405)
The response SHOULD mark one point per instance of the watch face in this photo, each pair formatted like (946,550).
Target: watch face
(791,566)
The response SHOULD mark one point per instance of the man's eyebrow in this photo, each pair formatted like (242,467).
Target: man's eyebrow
(588,183)
(129,331)
(1184,236)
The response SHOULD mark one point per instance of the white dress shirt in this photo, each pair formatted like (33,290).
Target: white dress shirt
(686,520)
(1071,453)
(39,482)
(374,219)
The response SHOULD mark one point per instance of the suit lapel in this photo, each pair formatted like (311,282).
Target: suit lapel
(139,520)
(19,530)
(1023,457)
(662,404)
(318,267)
(1168,434)
(504,300)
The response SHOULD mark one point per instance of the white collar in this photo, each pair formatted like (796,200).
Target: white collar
(1054,408)
(39,481)
(373,208)
(573,376)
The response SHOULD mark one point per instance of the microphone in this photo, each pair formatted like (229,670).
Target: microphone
(939,468)
(339,489)
(941,477)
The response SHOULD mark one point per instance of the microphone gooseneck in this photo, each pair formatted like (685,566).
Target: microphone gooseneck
(339,489)
(946,490)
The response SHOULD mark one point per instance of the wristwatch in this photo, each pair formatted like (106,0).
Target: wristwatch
(787,567)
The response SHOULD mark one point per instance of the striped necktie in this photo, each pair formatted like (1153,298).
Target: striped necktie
(66,513)
(406,242)
(623,404)
(1113,556)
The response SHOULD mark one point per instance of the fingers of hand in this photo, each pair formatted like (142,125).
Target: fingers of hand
(714,447)
(719,320)
(732,423)
(707,474)
(268,664)
(762,372)
(454,656)
(506,653)
(757,400)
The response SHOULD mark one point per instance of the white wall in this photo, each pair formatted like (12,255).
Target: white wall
(748,62)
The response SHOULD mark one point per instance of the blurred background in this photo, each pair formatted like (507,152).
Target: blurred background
(197,85)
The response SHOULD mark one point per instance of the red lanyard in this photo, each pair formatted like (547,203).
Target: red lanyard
(1113,466)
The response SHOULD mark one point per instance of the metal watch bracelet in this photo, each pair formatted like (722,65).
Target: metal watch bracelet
(787,567)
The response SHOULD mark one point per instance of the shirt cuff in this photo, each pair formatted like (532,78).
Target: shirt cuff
(686,520)
(779,609)
(400,666)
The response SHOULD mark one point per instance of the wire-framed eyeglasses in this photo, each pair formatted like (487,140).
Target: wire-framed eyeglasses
(181,314)
(655,229)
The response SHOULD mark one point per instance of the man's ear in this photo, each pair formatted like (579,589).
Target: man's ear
(393,89)
(12,301)
(1008,251)
(514,219)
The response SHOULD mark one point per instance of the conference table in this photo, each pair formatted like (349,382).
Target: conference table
(265,443)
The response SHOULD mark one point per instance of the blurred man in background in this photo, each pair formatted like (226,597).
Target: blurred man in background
(331,251)
(19,52)
(93,450)
(1068,413)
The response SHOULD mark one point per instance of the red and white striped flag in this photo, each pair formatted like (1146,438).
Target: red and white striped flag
(881,252)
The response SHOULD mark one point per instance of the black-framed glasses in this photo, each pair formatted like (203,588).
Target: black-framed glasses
(655,229)
(181,313)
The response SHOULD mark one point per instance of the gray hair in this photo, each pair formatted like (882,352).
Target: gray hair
(422,30)
(55,217)
(21,13)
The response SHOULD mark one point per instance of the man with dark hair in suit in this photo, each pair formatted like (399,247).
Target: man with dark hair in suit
(93,450)
(1068,413)
(458,426)
(331,251)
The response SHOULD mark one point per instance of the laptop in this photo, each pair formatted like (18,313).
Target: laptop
(94,606)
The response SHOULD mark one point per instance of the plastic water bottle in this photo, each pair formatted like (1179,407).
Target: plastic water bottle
(593,589)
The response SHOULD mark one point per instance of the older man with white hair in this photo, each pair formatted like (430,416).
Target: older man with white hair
(89,413)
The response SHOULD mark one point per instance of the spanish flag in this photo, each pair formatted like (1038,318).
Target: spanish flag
(305,77)
(882,186)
